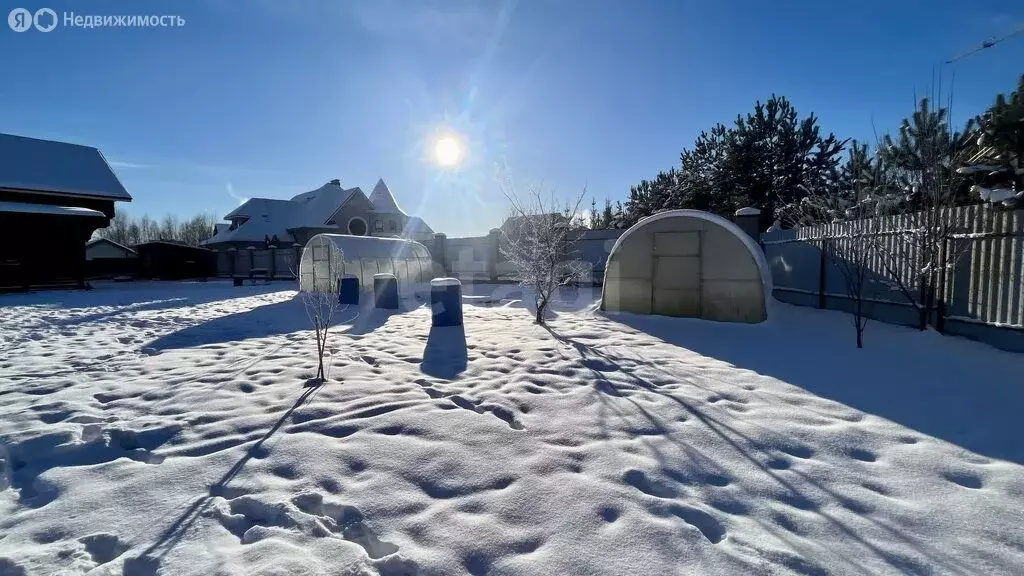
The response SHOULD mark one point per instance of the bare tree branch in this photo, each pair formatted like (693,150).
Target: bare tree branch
(538,244)
(318,270)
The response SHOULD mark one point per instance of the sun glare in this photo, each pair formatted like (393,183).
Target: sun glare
(448,151)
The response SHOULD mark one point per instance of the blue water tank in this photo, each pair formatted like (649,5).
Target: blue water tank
(348,290)
(385,291)
(446,301)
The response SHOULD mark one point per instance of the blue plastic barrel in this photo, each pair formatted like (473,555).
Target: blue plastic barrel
(446,301)
(385,291)
(348,290)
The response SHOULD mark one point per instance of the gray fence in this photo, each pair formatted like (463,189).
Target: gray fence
(280,263)
(981,295)
(479,258)
(469,259)
(472,259)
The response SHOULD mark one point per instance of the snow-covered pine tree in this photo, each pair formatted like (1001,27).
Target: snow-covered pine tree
(996,161)
(607,215)
(921,188)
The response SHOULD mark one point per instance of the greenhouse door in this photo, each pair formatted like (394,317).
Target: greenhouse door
(676,278)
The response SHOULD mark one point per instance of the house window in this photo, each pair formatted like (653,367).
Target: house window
(392,226)
(357,226)
(378,225)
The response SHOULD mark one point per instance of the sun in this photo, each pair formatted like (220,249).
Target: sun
(448,151)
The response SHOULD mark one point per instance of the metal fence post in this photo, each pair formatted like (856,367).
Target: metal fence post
(943,293)
(822,274)
(232,257)
(273,260)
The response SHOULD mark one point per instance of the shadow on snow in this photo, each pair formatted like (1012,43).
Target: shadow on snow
(276,319)
(705,468)
(946,387)
(445,355)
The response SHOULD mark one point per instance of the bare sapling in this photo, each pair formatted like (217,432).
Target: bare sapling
(538,244)
(319,290)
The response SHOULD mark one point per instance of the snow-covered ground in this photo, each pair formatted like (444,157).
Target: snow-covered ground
(166,428)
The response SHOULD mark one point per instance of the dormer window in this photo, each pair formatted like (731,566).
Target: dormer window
(238,221)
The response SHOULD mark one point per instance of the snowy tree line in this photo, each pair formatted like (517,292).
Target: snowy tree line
(129,230)
(783,163)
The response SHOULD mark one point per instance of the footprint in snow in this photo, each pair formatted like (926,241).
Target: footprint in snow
(965,479)
(103,547)
(651,486)
(711,528)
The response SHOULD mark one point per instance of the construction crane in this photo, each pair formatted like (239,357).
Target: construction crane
(987,44)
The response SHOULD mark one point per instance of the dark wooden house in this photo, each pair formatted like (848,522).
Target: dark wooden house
(53,195)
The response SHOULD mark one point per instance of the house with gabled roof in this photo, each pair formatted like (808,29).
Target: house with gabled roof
(53,196)
(329,208)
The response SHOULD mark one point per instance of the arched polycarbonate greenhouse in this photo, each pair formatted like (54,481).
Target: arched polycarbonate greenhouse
(687,263)
(327,258)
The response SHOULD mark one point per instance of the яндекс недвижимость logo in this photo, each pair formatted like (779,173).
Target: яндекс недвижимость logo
(20,19)
(46,19)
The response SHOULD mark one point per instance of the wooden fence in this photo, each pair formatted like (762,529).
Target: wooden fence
(978,291)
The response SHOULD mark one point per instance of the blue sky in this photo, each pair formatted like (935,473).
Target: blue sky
(274,98)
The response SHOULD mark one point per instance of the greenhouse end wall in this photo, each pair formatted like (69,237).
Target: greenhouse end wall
(686,263)
(329,257)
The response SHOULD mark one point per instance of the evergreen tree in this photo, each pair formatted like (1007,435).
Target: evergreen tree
(773,157)
(607,215)
(649,197)
(703,181)
(996,160)
(843,195)
(768,159)
(619,217)
(921,160)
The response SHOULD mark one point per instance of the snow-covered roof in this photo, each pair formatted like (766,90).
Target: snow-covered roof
(748,211)
(383,200)
(177,243)
(57,168)
(271,216)
(416,225)
(995,195)
(359,247)
(748,242)
(96,241)
(267,217)
(26,208)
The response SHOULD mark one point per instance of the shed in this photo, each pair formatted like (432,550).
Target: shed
(687,263)
(362,257)
(53,196)
(104,257)
(168,260)
(107,249)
